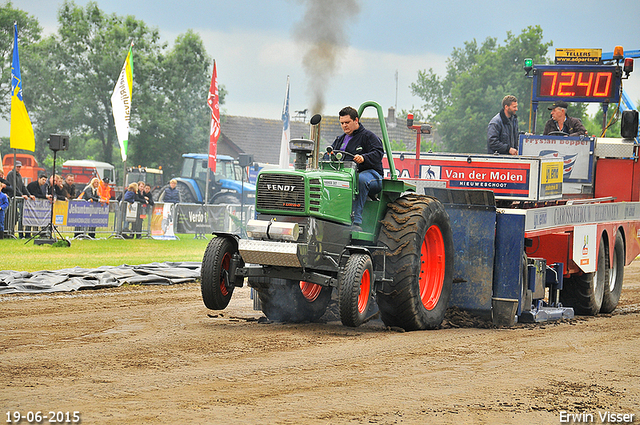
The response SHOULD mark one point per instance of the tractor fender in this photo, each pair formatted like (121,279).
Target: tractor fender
(192,186)
(236,260)
(233,236)
(352,249)
(235,185)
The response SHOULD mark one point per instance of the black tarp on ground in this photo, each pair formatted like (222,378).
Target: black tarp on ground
(103,277)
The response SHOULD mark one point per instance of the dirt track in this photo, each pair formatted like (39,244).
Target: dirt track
(157,355)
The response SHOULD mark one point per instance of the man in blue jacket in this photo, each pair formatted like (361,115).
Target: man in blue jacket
(502,134)
(4,205)
(367,152)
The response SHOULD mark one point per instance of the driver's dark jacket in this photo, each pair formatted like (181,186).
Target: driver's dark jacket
(363,142)
(572,126)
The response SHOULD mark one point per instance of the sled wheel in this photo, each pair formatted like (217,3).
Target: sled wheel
(585,292)
(355,289)
(214,283)
(417,233)
(284,300)
(613,287)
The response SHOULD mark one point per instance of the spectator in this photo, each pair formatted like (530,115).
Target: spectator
(90,194)
(142,208)
(104,190)
(149,195)
(141,194)
(171,193)
(130,196)
(38,188)
(8,189)
(51,189)
(69,186)
(20,190)
(4,205)
(55,190)
(63,195)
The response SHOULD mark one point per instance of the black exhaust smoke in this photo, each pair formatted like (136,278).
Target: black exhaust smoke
(322,35)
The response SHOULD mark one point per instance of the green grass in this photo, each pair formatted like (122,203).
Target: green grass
(16,255)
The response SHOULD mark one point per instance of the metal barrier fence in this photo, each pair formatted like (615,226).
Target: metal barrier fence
(84,220)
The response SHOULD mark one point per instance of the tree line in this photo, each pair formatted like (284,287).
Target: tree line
(70,75)
(479,75)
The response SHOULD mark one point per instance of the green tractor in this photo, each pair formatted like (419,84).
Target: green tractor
(301,246)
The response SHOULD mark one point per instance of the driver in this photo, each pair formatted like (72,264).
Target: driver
(560,121)
(367,152)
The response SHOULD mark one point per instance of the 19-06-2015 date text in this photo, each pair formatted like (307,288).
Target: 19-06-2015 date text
(39,417)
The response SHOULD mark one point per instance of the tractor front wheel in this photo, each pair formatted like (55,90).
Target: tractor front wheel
(215,283)
(356,283)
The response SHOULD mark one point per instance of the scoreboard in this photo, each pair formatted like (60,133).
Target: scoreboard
(576,83)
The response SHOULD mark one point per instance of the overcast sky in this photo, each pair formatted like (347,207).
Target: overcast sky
(256,43)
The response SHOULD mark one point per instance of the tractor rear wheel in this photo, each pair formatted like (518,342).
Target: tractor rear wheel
(613,287)
(186,197)
(585,292)
(215,283)
(227,199)
(417,232)
(356,282)
(285,300)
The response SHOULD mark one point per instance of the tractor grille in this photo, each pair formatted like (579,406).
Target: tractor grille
(315,190)
(280,192)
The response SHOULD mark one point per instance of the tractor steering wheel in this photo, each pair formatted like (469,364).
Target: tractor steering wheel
(332,154)
(558,133)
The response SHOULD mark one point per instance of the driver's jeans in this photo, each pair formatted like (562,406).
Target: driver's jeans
(369,182)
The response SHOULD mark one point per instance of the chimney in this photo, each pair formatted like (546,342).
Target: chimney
(391,117)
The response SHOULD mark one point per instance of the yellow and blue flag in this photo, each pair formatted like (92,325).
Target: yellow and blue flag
(21,132)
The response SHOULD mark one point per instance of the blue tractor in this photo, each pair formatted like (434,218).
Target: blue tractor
(226,186)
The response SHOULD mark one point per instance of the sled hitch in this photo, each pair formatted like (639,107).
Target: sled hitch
(542,311)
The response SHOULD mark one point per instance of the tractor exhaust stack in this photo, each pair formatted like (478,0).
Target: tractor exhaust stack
(314,133)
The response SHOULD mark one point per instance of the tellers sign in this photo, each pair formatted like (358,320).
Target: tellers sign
(577,83)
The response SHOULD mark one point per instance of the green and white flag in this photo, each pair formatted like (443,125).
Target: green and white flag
(121,103)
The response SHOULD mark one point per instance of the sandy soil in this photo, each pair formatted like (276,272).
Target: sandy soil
(143,354)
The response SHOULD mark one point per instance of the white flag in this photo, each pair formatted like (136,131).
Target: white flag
(121,104)
(286,132)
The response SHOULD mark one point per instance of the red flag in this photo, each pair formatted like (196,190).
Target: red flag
(213,101)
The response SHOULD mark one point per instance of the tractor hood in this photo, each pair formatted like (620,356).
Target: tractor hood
(235,185)
(324,194)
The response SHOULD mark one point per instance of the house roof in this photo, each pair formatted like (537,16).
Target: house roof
(262,137)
